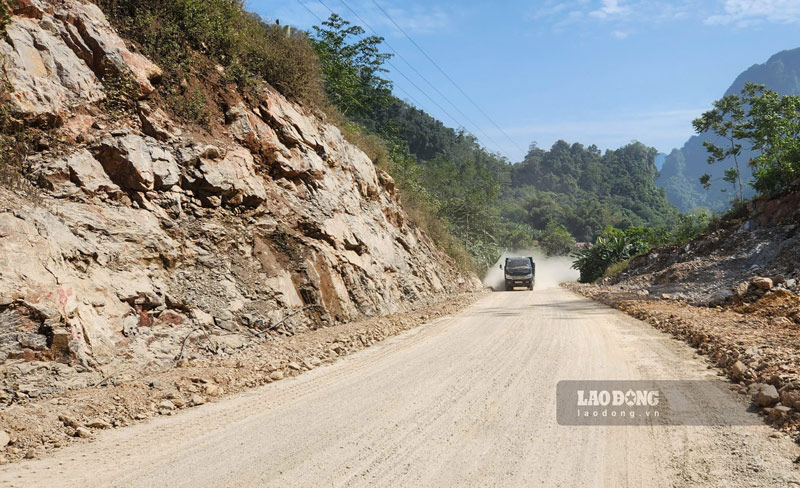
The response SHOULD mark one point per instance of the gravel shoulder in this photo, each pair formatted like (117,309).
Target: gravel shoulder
(753,344)
(125,396)
(466,400)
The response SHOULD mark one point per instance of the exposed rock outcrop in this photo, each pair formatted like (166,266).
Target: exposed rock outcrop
(142,234)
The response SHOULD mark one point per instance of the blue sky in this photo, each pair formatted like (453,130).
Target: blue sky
(599,72)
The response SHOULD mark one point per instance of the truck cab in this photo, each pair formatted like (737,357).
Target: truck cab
(519,271)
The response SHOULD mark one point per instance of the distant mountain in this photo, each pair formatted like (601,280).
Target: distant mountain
(683,167)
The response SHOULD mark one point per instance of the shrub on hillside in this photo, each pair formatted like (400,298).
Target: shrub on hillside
(612,247)
(617,246)
(172,32)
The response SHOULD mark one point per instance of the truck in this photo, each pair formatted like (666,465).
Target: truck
(519,271)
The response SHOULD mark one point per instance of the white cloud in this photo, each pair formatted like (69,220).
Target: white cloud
(619,35)
(416,19)
(747,12)
(620,14)
(609,8)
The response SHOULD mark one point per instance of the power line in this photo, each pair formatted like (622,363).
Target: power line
(447,76)
(408,79)
(498,146)
(311,11)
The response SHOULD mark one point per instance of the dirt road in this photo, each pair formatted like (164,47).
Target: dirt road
(467,400)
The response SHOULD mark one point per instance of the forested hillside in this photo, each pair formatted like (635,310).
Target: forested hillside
(682,169)
(489,204)
(586,190)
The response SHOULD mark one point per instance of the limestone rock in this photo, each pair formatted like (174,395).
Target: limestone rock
(762,283)
(233,177)
(88,173)
(47,78)
(85,28)
(768,396)
(136,163)
(156,123)
(253,133)
(128,232)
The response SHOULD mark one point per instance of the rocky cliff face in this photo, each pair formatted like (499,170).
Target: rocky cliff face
(140,231)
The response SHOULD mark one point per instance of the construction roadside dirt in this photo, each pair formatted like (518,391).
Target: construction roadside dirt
(36,427)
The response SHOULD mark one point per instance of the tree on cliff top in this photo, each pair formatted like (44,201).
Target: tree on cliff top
(769,123)
(352,67)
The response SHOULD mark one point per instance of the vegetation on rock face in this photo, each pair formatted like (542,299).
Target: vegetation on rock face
(5,14)
(16,140)
(188,37)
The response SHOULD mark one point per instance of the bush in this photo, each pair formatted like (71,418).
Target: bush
(612,247)
(5,15)
(615,269)
(171,32)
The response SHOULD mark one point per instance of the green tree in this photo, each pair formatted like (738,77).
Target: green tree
(556,240)
(352,67)
(773,128)
(725,120)
(769,123)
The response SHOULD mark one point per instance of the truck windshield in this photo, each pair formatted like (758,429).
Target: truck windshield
(518,265)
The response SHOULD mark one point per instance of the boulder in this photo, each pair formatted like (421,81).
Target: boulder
(233,177)
(720,297)
(137,163)
(738,369)
(86,172)
(741,289)
(791,398)
(768,396)
(779,413)
(762,283)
